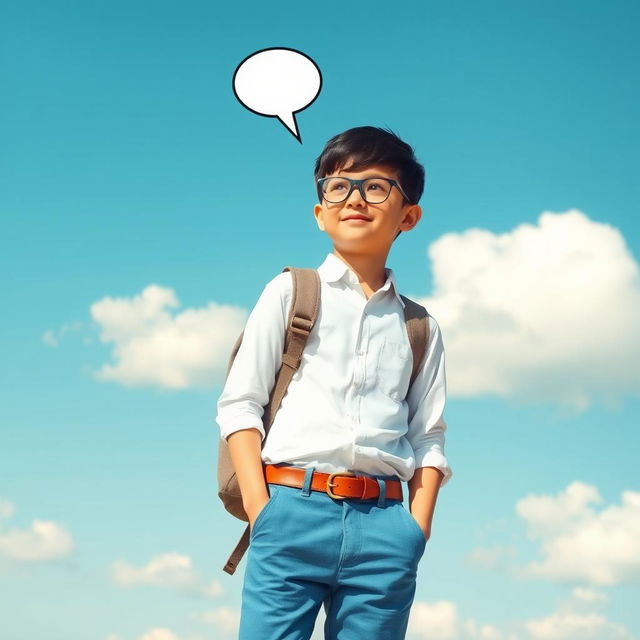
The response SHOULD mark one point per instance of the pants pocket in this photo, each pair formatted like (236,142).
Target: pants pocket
(274,490)
(413,526)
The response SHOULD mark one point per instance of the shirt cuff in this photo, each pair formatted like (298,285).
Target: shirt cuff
(239,422)
(431,458)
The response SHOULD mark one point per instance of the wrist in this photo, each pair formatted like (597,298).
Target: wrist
(254,501)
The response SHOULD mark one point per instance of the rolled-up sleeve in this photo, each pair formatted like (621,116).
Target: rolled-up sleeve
(252,375)
(426,400)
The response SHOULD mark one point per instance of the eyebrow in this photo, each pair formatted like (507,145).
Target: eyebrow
(373,175)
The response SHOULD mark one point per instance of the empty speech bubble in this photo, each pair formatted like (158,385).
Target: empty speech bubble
(277,83)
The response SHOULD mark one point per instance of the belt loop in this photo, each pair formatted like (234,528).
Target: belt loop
(306,485)
(382,486)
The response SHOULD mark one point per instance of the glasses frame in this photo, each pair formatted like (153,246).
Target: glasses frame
(358,183)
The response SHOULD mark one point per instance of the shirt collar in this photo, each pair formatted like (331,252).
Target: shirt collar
(334,269)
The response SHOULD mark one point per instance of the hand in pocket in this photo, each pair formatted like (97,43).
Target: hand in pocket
(255,511)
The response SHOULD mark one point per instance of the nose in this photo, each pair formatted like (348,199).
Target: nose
(359,197)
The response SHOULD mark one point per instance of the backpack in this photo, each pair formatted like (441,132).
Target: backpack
(305,303)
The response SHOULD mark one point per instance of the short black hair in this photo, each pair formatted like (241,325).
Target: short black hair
(368,146)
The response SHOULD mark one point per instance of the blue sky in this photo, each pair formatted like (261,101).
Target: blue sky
(140,224)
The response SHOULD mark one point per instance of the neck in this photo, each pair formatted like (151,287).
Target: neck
(369,269)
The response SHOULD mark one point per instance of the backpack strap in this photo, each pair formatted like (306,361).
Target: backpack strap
(305,303)
(417,322)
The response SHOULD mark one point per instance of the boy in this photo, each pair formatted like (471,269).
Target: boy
(345,541)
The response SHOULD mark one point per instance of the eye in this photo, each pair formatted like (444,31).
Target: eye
(378,185)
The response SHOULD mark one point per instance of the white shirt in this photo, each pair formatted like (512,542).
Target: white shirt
(345,407)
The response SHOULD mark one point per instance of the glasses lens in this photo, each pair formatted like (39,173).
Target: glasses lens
(376,190)
(335,189)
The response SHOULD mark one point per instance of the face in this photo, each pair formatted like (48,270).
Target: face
(382,223)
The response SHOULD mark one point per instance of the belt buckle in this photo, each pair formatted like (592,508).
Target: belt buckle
(331,484)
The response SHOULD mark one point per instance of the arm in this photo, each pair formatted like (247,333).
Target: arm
(247,389)
(423,493)
(426,400)
(244,448)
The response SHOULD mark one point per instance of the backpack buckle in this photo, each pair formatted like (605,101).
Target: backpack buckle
(333,484)
(301,325)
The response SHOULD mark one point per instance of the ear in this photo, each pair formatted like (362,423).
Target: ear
(412,215)
(318,212)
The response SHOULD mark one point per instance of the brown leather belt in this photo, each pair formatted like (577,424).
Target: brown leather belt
(338,485)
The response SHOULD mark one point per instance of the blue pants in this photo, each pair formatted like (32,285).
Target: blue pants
(357,557)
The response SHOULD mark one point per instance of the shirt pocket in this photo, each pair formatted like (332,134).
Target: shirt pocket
(393,370)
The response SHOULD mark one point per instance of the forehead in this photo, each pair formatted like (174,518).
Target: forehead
(378,170)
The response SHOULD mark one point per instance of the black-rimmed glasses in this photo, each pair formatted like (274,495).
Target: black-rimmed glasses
(373,190)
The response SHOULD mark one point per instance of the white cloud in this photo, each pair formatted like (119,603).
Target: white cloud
(173,570)
(545,312)
(7,509)
(227,622)
(481,631)
(226,619)
(153,347)
(53,337)
(159,634)
(498,557)
(434,621)
(581,544)
(576,626)
(587,596)
(442,621)
(44,540)
(582,600)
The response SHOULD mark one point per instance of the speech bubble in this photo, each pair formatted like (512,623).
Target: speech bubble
(277,82)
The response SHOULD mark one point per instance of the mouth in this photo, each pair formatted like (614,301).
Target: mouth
(357,217)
